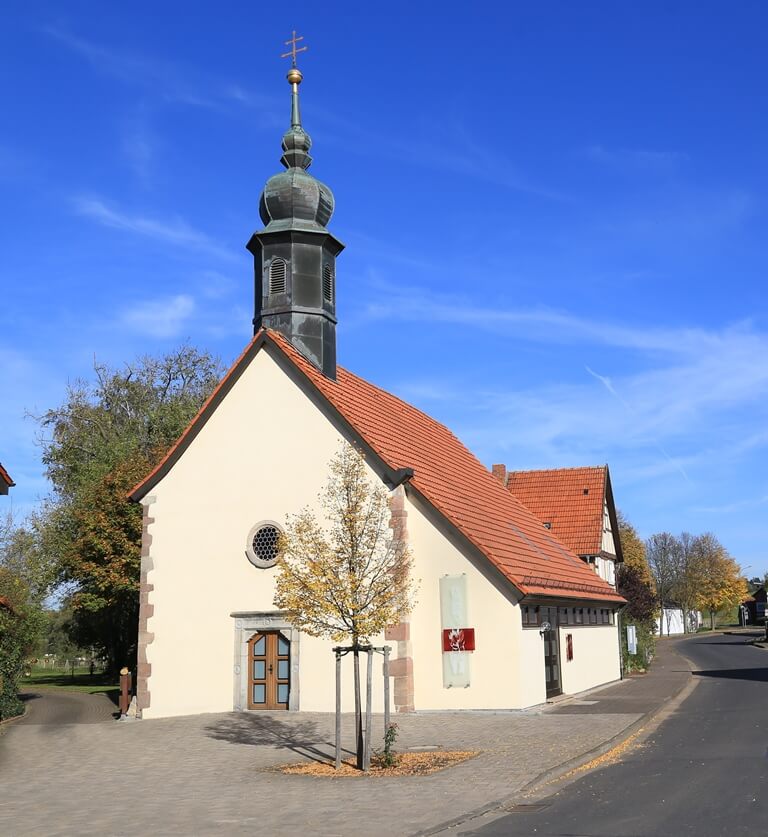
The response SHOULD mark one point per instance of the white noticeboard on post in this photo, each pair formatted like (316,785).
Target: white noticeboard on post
(631,639)
(453,614)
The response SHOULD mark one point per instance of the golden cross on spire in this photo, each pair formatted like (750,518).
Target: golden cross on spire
(294,52)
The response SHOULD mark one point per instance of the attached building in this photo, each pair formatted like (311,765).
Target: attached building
(576,505)
(210,638)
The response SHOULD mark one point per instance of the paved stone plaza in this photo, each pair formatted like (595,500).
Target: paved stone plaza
(210,774)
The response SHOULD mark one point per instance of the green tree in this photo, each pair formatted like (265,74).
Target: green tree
(346,576)
(106,436)
(20,627)
(24,583)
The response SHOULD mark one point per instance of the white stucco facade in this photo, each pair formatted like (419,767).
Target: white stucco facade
(597,646)
(263,454)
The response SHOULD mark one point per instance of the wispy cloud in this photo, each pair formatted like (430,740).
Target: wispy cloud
(168,80)
(738,505)
(161,317)
(414,304)
(174,231)
(638,159)
(457,153)
(606,382)
(695,399)
(139,145)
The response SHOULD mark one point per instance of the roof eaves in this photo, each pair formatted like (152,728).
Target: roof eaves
(613,516)
(6,477)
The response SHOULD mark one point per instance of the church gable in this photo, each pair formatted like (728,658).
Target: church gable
(259,427)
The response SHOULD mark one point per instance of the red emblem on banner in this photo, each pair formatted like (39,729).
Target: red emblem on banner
(459,639)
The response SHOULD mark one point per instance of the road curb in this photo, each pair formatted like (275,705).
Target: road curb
(9,721)
(652,719)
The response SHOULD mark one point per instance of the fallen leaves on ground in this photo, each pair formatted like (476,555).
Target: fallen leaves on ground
(408,764)
(611,757)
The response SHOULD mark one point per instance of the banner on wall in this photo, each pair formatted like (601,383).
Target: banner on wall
(459,638)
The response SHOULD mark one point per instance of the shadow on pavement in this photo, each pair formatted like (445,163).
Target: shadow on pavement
(27,696)
(758,674)
(301,738)
(747,641)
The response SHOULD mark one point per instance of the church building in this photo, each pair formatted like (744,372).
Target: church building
(538,621)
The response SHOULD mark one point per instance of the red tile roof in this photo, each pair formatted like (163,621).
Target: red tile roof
(571,500)
(6,477)
(446,475)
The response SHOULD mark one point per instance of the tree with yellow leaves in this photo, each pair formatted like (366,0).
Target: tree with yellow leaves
(721,582)
(347,576)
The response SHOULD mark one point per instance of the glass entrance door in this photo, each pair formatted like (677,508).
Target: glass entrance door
(270,671)
(551,651)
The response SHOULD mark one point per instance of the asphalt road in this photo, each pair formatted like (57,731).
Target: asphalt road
(55,707)
(704,770)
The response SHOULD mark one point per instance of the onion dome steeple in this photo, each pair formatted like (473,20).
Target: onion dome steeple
(294,199)
(295,255)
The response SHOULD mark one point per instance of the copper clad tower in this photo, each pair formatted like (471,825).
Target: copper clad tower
(295,255)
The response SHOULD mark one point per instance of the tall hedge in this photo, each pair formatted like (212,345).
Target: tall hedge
(19,629)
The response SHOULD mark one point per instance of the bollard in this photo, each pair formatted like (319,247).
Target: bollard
(125,690)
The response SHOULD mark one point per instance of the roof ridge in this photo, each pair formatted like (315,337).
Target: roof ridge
(550,470)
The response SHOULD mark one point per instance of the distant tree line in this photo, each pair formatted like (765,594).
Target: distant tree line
(694,572)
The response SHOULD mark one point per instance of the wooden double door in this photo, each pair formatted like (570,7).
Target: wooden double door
(551,651)
(269,661)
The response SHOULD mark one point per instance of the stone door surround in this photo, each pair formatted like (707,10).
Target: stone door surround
(248,623)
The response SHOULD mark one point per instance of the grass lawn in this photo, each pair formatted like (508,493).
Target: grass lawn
(81,681)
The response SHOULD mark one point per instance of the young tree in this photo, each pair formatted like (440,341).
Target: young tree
(661,551)
(107,435)
(345,576)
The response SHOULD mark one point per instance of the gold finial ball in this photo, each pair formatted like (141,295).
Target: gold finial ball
(294,76)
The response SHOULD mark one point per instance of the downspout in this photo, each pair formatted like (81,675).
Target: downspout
(619,617)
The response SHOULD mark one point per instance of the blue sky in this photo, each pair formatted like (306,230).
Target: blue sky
(554,215)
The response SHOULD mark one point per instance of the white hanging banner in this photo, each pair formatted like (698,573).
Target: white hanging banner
(631,639)
(453,616)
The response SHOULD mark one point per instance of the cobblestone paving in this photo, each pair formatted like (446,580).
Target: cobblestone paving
(209,774)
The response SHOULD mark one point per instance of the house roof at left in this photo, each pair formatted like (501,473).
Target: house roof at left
(6,477)
(446,475)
